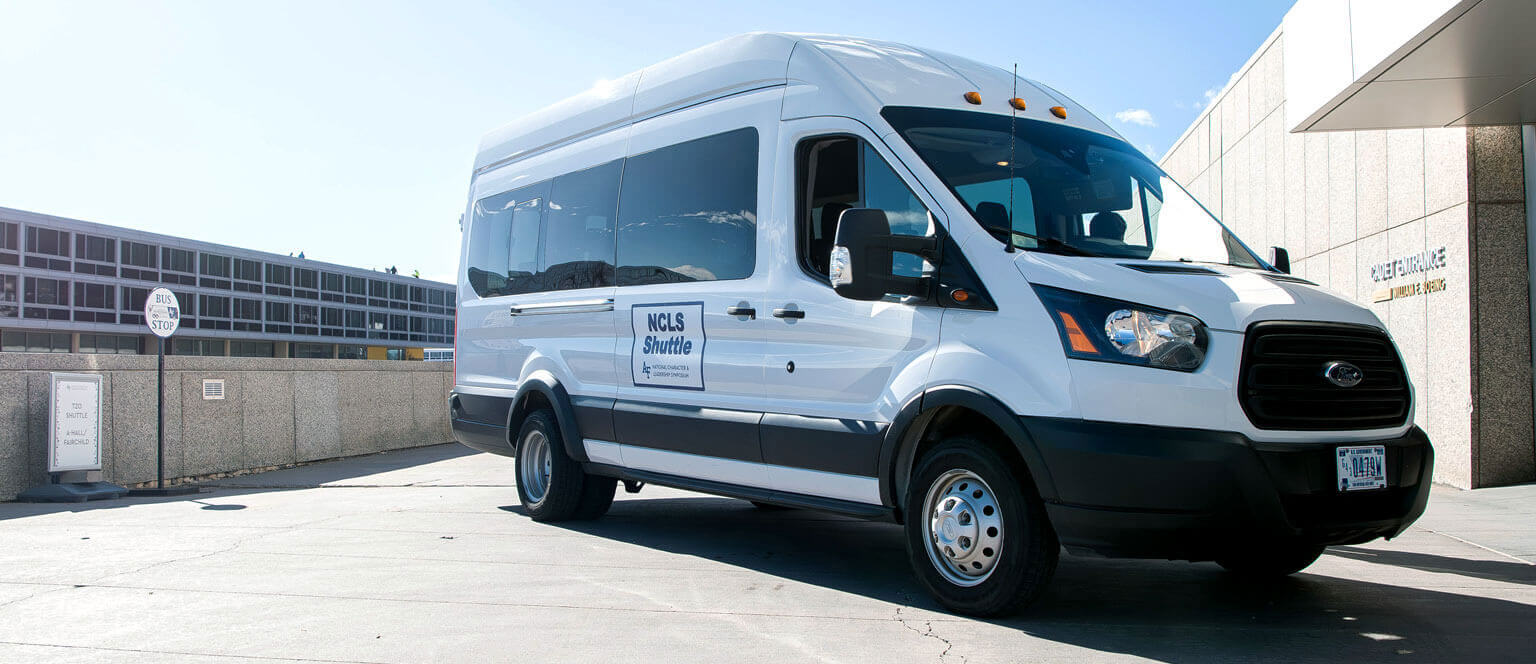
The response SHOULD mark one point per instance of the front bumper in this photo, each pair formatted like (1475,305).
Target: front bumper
(1160,492)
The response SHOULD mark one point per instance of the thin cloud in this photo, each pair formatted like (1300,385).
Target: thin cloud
(1136,116)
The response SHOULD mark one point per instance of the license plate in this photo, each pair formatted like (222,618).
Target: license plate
(1362,467)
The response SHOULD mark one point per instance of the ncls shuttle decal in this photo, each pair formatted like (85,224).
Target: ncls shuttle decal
(669,345)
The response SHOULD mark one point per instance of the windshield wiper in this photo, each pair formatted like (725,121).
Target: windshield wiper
(1046,243)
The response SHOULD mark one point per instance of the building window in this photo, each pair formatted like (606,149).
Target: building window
(47,291)
(451,296)
(378,288)
(376,324)
(214,306)
(394,354)
(188,304)
(330,317)
(192,346)
(134,298)
(279,312)
(352,352)
(47,241)
(357,286)
(331,281)
(251,349)
(8,296)
(109,344)
(306,314)
(8,239)
(138,254)
(434,297)
(247,270)
(176,260)
(93,248)
(311,351)
(34,342)
(281,275)
(355,319)
(95,296)
(247,309)
(213,265)
(305,278)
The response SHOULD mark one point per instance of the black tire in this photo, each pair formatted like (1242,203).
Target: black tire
(569,493)
(769,507)
(1027,548)
(1270,560)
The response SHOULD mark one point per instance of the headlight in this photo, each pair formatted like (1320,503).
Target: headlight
(1098,328)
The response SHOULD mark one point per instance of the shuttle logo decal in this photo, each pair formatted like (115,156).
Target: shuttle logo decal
(669,345)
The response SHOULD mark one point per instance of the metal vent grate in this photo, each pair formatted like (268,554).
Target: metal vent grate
(1283,383)
(213,389)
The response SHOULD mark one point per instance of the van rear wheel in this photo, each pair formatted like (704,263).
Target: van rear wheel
(552,486)
(977,534)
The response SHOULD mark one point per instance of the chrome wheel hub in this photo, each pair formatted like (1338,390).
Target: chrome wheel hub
(534,464)
(964,527)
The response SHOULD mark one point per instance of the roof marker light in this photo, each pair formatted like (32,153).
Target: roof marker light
(973,97)
(1016,103)
(1059,112)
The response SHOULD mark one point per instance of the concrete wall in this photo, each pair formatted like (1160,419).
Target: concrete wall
(275,412)
(1343,201)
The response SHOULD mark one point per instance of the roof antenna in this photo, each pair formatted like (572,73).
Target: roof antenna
(1013,138)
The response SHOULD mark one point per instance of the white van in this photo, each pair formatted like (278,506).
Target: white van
(866,278)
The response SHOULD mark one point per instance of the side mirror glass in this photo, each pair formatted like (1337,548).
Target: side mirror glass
(861,263)
(1280,259)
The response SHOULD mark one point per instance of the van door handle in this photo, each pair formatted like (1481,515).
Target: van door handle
(788,313)
(749,312)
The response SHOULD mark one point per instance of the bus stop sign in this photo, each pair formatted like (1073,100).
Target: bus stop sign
(162,312)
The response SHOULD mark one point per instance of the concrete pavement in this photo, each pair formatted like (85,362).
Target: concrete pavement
(423,556)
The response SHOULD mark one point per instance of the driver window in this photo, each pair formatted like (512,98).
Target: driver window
(837,173)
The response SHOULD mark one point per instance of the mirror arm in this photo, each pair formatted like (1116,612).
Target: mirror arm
(927,247)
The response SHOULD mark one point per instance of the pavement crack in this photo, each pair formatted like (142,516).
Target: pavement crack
(926,631)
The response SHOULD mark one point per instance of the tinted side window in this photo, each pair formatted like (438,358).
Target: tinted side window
(504,242)
(842,172)
(688,212)
(578,229)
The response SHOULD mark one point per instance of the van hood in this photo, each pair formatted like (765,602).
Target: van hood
(1222,296)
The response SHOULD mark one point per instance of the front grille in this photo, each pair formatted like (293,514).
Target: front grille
(1283,386)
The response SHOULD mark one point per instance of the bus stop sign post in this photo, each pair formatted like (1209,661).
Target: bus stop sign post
(162,313)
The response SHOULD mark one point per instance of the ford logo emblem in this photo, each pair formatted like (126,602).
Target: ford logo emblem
(1343,374)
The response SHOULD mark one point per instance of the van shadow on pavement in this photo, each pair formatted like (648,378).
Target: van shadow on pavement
(1163,610)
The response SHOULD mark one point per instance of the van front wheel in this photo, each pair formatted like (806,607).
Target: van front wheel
(552,486)
(977,534)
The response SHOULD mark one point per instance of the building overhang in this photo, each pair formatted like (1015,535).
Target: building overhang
(1392,64)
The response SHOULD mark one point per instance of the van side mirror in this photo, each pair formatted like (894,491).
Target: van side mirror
(1280,259)
(862,257)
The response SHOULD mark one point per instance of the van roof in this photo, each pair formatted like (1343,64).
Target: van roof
(844,76)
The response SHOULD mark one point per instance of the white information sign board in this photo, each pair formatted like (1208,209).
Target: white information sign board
(162,312)
(669,345)
(74,422)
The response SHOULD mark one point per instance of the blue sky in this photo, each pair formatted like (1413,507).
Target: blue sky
(346,129)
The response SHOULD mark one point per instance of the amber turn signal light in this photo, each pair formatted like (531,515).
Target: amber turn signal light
(973,97)
(1059,112)
(1016,103)
(1075,335)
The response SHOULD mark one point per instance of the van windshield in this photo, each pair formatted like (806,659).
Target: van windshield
(1062,189)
